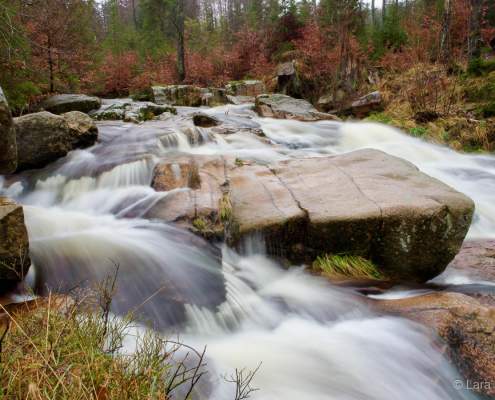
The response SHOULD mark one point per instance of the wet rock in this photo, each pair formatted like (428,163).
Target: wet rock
(286,107)
(288,81)
(245,88)
(214,97)
(365,203)
(205,120)
(83,130)
(464,324)
(332,101)
(131,111)
(367,104)
(63,103)
(44,137)
(14,244)
(475,260)
(189,95)
(196,185)
(237,100)
(8,147)
(179,95)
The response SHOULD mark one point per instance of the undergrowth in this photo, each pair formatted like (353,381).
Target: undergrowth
(51,349)
(335,265)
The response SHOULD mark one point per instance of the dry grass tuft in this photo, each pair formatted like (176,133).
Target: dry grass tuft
(54,348)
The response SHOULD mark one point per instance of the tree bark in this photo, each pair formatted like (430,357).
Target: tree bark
(445,33)
(50,64)
(384,10)
(474,41)
(373,16)
(134,15)
(181,54)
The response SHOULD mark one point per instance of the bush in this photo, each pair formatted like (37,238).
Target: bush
(479,67)
(488,110)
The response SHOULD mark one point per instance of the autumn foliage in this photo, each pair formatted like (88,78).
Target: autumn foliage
(114,48)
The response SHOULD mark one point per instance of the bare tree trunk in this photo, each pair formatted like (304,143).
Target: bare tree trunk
(384,10)
(373,10)
(181,61)
(50,64)
(474,40)
(445,33)
(134,15)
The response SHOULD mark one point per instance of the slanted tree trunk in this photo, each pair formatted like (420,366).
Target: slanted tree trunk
(474,40)
(181,56)
(445,33)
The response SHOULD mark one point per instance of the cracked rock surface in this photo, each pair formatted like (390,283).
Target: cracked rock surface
(365,202)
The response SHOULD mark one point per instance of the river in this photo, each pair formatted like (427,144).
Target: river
(84,215)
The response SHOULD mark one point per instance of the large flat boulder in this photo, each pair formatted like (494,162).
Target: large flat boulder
(62,103)
(14,244)
(8,148)
(364,203)
(465,324)
(45,137)
(286,107)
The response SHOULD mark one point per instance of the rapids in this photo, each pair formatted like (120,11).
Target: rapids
(84,215)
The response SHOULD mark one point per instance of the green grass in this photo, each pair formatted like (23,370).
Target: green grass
(335,265)
(380,117)
(200,223)
(225,208)
(418,131)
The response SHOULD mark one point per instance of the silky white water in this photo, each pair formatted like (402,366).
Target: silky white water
(314,341)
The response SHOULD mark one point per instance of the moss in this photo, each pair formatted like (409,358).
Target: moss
(334,265)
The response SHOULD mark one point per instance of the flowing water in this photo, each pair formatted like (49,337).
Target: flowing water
(315,341)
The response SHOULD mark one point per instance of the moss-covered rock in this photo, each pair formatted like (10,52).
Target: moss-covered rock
(14,244)
(63,103)
(8,147)
(44,137)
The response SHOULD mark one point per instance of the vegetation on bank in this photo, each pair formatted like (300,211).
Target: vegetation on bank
(453,108)
(57,348)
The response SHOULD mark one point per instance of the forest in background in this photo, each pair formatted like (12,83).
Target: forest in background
(118,47)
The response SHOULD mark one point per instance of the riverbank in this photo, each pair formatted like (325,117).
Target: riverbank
(452,108)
